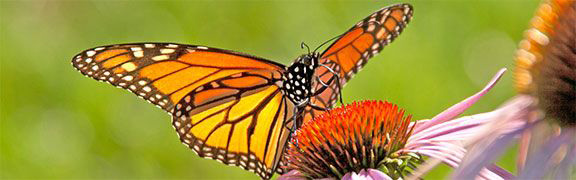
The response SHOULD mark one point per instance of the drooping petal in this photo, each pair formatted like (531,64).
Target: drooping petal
(450,153)
(455,130)
(491,139)
(471,166)
(444,138)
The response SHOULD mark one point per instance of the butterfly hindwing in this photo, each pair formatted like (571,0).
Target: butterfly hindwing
(237,120)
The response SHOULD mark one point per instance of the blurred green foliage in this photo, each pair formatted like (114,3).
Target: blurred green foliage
(55,123)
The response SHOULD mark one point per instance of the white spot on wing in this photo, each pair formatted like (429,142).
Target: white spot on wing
(167,51)
(147,88)
(129,66)
(160,57)
(138,54)
(90,53)
(128,78)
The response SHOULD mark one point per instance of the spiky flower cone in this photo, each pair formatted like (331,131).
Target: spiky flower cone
(362,135)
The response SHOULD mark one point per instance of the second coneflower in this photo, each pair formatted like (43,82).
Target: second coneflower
(543,113)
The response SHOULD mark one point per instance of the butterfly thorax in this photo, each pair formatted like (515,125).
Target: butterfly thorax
(298,77)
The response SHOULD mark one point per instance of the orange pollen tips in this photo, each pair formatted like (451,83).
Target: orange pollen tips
(361,135)
(532,50)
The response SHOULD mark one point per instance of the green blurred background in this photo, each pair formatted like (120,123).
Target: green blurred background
(55,123)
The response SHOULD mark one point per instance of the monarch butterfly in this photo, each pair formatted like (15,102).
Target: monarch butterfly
(233,107)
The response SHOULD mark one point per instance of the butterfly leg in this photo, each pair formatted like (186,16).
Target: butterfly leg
(324,86)
(322,89)
(293,119)
(295,125)
(337,81)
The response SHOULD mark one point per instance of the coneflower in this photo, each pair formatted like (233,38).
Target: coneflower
(377,140)
(546,81)
(362,135)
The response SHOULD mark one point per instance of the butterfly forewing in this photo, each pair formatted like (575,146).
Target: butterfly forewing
(353,49)
(347,55)
(163,73)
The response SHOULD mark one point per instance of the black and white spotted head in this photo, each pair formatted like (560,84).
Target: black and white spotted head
(297,78)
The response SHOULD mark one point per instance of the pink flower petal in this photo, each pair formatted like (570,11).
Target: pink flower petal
(444,139)
(376,174)
(534,138)
(491,139)
(292,175)
(500,172)
(366,174)
(541,163)
(569,163)
(471,166)
(351,176)
(457,129)
(459,108)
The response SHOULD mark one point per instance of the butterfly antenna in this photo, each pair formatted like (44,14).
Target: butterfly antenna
(305,45)
(331,39)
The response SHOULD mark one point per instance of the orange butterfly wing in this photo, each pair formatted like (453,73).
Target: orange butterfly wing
(347,55)
(237,120)
(225,105)
(163,73)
